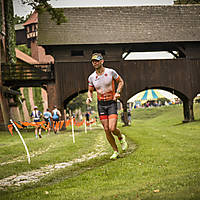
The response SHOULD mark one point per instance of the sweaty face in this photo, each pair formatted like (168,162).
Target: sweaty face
(97,63)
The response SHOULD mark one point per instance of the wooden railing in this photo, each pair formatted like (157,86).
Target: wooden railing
(21,74)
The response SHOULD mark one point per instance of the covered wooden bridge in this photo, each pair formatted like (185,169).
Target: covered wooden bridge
(116,32)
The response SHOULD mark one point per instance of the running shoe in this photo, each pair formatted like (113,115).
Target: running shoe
(124,143)
(40,136)
(115,155)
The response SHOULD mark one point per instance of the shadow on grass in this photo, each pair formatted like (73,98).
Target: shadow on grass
(186,122)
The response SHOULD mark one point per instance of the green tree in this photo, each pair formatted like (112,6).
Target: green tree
(10,21)
(57,14)
(10,31)
(18,19)
(24,48)
(79,103)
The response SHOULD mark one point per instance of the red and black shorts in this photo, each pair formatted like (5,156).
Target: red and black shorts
(107,109)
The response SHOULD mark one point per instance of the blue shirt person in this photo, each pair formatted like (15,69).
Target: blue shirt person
(56,115)
(48,118)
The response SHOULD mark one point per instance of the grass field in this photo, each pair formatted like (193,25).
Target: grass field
(163,161)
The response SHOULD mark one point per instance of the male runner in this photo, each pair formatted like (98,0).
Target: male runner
(103,79)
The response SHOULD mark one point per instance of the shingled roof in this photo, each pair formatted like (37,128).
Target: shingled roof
(113,25)
(33,19)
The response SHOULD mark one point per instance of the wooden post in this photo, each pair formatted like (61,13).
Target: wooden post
(125,113)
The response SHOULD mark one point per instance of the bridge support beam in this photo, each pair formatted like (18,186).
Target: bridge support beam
(52,95)
(125,113)
(4,110)
(188,110)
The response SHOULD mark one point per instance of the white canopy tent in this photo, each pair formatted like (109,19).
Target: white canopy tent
(152,94)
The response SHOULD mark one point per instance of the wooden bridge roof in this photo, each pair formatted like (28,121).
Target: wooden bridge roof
(114,25)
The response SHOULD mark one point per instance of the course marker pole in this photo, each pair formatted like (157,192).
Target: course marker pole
(73,129)
(85,126)
(28,155)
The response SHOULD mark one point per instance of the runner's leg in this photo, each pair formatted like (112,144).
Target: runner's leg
(36,131)
(112,116)
(113,128)
(109,135)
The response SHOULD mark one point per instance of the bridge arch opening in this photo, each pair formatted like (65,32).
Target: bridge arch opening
(155,97)
(76,104)
(177,97)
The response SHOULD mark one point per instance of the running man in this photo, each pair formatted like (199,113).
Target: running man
(36,115)
(56,118)
(48,119)
(103,80)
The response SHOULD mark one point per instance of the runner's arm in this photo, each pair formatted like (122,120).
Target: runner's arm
(120,84)
(119,88)
(90,95)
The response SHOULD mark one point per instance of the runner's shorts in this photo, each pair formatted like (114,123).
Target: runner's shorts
(56,119)
(107,109)
(36,120)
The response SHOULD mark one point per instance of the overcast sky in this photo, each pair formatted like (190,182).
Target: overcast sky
(23,10)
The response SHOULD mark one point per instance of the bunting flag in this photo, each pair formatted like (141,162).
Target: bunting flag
(91,122)
(61,124)
(34,124)
(18,125)
(58,124)
(25,123)
(48,126)
(42,125)
(67,123)
(78,124)
(10,128)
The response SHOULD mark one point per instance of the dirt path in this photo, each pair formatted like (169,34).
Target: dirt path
(35,175)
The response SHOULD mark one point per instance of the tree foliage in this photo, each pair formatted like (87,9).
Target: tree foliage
(57,14)
(21,19)
(79,102)
(10,31)
(24,49)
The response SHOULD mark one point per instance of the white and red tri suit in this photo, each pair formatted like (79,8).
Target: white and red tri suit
(105,87)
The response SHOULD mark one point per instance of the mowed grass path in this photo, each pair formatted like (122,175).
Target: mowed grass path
(164,165)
